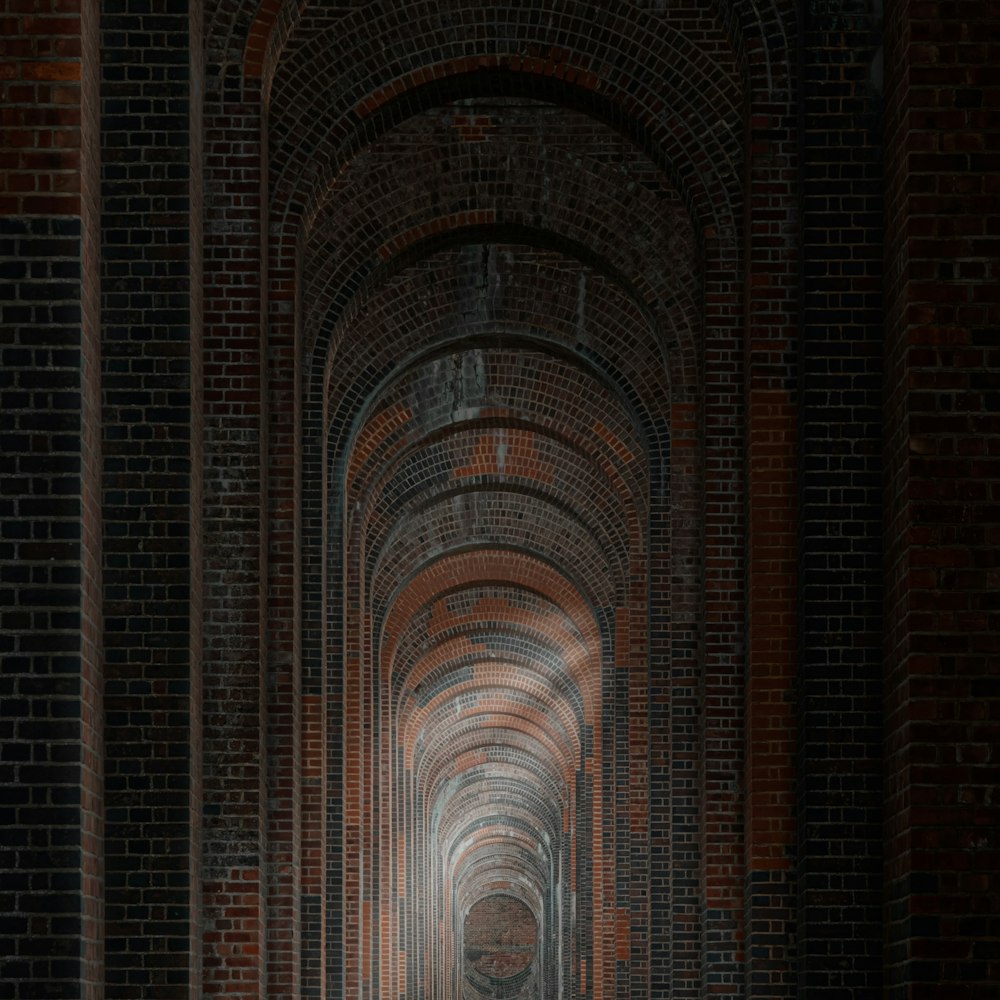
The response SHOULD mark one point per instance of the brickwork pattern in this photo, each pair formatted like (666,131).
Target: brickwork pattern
(462,481)
(51,893)
(235,772)
(152,439)
(942,702)
(839,688)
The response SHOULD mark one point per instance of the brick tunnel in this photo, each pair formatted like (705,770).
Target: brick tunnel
(499,500)
(502,304)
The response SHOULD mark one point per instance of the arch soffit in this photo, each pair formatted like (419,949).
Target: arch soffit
(477,567)
(648,93)
(442,300)
(386,203)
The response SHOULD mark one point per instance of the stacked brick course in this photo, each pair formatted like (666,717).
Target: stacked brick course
(151,381)
(51,892)
(499,500)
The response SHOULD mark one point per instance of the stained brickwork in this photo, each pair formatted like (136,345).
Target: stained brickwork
(498,499)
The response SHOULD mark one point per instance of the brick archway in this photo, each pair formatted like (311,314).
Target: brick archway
(458,450)
(497,378)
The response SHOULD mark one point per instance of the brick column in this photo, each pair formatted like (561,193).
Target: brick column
(284,627)
(151,130)
(838,793)
(942,464)
(771,447)
(235,554)
(722,750)
(51,935)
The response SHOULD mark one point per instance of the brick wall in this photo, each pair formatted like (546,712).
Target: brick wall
(235,807)
(770,430)
(515,490)
(500,937)
(152,440)
(839,684)
(940,481)
(50,700)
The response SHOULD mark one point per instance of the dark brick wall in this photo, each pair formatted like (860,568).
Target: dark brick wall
(151,380)
(839,683)
(234,804)
(942,705)
(50,622)
(517,488)
(770,436)
(50,739)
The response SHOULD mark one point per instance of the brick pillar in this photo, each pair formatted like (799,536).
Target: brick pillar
(283,625)
(942,419)
(722,751)
(838,794)
(235,554)
(51,935)
(685,713)
(771,425)
(151,250)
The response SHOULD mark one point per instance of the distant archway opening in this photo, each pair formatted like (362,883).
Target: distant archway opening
(500,949)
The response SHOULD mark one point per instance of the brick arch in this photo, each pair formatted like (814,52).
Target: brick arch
(491,866)
(473,568)
(451,680)
(515,797)
(479,864)
(442,402)
(536,178)
(518,760)
(407,460)
(253,33)
(470,732)
(488,882)
(511,720)
(280,278)
(473,389)
(478,821)
(479,573)
(461,859)
(517,859)
(565,60)
(422,514)
(458,612)
(762,40)
(541,654)
(540,528)
(394,422)
(482,823)
(465,847)
(496,717)
(489,796)
(533,295)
